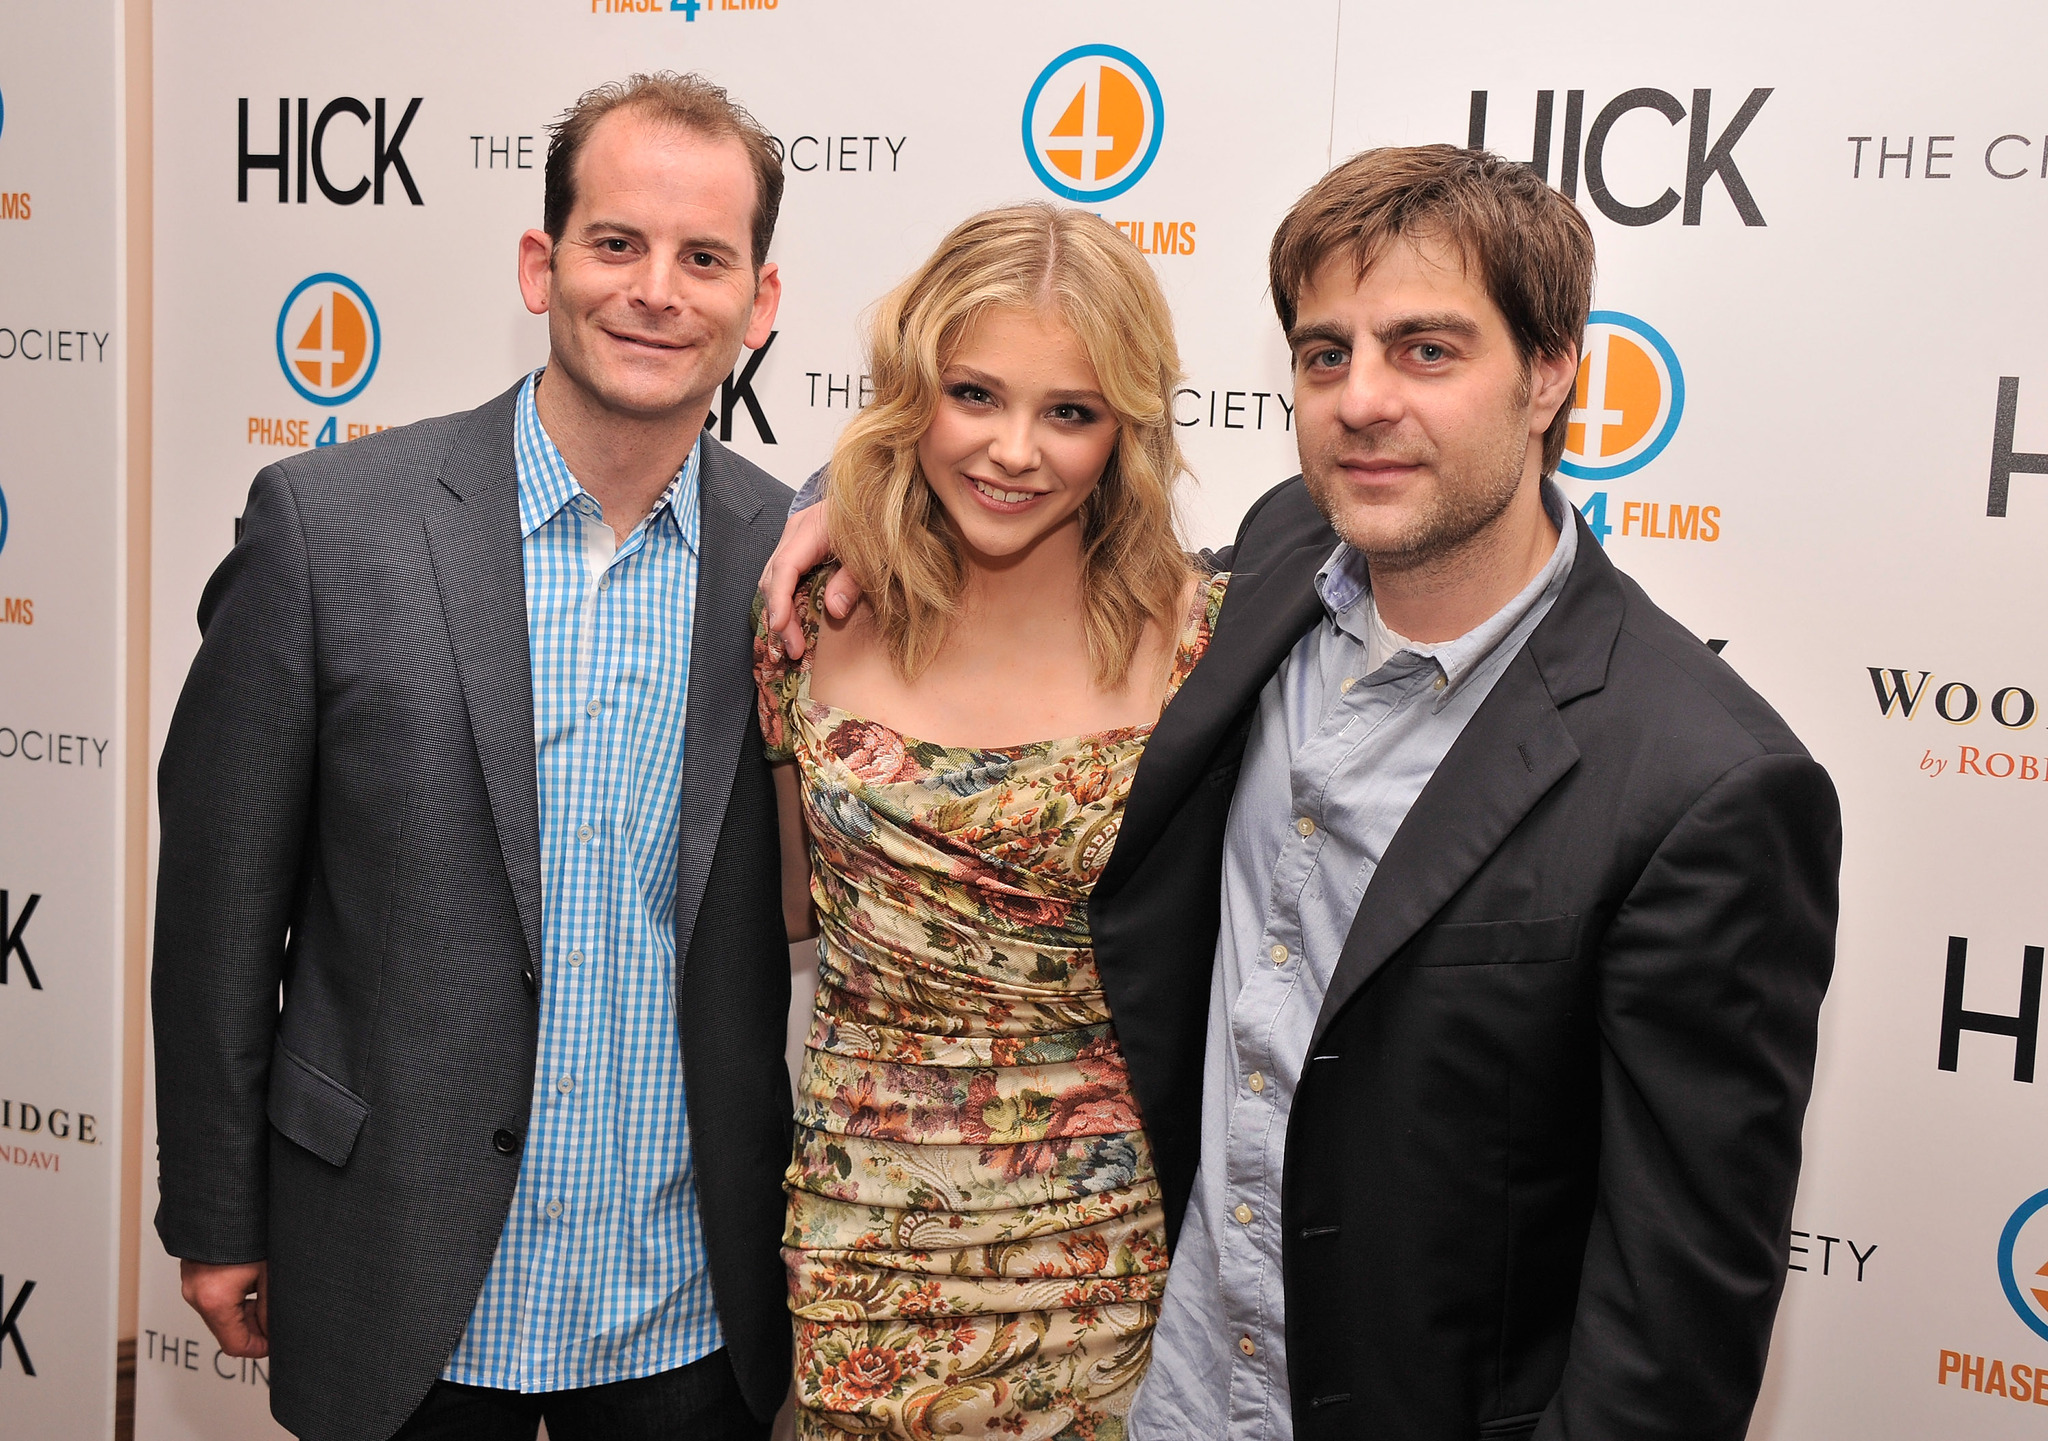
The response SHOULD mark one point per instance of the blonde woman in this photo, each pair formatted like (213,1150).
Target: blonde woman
(975,1239)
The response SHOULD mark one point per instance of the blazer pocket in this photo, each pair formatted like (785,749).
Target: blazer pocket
(313,1109)
(1493,943)
(1510,1428)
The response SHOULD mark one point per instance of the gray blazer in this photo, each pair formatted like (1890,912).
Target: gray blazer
(350,821)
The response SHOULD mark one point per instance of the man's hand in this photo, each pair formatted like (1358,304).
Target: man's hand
(804,545)
(234,1301)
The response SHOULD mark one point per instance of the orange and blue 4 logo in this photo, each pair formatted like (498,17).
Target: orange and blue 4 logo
(1093,121)
(1625,407)
(2026,1234)
(328,339)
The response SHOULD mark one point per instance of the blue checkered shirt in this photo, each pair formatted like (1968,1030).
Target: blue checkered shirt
(600,1274)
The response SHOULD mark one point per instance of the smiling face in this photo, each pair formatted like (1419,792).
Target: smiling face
(651,289)
(1021,436)
(1419,423)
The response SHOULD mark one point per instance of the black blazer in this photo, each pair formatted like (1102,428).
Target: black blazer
(350,812)
(1540,1167)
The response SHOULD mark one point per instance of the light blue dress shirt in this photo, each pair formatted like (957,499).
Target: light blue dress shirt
(1342,745)
(600,1274)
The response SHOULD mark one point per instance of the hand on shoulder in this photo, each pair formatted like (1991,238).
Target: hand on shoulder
(805,545)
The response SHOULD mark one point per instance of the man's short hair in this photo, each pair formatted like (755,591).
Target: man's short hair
(1530,246)
(688,102)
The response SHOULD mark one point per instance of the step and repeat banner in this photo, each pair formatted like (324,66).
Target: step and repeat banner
(1812,421)
(1811,418)
(338,211)
(62,527)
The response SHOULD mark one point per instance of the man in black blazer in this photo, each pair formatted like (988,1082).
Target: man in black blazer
(1527,902)
(431,654)
(1468,926)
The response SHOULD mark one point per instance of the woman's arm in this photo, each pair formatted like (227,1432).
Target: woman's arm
(797,915)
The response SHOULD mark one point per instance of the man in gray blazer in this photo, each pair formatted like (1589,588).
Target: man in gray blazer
(511,1146)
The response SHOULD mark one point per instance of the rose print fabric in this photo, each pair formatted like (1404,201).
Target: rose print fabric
(975,1243)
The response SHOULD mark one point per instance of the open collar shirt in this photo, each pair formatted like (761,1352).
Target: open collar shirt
(600,1274)
(1345,739)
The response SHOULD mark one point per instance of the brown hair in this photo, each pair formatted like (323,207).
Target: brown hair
(689,102)
(889,528)
(1530,245)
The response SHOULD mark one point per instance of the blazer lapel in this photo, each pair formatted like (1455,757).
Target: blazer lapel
(1513,750)
(721,699)
(480,571)
(1264,615)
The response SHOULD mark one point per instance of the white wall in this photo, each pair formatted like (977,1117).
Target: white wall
(62,761)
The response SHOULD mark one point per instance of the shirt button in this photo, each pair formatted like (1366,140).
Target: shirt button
(1244,1344)
(1256,1081)
(594,707)
(1304,827)
(583,833)
(1348,682)
(575,958)
(555,1214)
(1243,1214)
(1437,684)
(566,1084)
(1279,955)
(604,582)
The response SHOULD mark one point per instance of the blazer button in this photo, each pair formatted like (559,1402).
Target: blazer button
(506,1142)
(532,981)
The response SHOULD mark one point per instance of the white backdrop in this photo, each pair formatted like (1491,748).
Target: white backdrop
(62,532)
(1790,413)
(1841,363)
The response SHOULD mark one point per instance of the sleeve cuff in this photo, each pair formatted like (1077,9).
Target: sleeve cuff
(812,492)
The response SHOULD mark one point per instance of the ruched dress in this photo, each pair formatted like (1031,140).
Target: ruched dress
(975,1240)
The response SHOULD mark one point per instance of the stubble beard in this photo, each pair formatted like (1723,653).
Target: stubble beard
(1469,497)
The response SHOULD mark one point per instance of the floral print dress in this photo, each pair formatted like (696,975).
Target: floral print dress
(975,1241)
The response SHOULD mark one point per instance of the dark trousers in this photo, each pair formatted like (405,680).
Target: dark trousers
(697,1402)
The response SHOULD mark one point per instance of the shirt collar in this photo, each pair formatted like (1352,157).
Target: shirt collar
(1345,588)
(545,484)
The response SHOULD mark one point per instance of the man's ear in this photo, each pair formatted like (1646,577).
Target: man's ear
(767,300)
(1551,379)
(536,269)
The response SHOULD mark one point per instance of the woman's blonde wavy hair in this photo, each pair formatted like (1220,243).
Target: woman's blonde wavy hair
(889,528)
